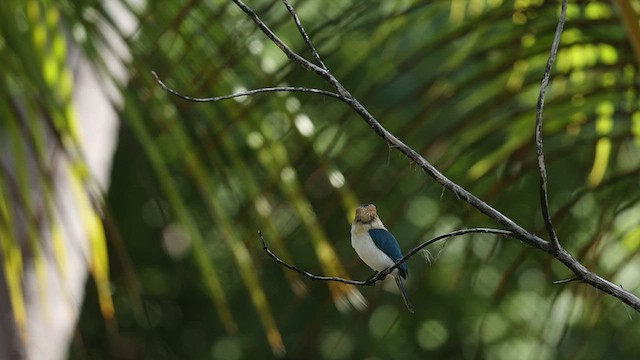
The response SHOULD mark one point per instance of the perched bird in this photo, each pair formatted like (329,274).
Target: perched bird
(377,247)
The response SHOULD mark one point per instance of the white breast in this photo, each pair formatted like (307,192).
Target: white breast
(368,251)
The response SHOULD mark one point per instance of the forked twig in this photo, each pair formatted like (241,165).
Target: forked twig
(304,35)
(279,43)
(544,201)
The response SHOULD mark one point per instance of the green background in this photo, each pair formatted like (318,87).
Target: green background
(192,183)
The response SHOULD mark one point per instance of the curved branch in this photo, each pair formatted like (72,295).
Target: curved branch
(416,249)
(247,93)
(382,274)
(279,43)
(304,272)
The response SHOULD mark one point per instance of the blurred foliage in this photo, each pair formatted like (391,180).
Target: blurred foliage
(458,81)
(40,141)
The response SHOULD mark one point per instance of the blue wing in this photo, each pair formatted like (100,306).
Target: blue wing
(385,241)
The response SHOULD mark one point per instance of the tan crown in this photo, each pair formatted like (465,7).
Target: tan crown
(366,213)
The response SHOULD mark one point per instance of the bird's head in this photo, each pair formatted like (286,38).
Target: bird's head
(366,214)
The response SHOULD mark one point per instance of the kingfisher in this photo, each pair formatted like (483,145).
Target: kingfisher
(377,247)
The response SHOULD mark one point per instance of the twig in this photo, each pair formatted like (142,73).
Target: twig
(304,35)
(246,93)
(442,237)
(304,272)
(564,281)
(544,202)
(382,274)
(279,43)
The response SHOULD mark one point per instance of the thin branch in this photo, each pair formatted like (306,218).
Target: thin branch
(304,35)
(247,93)
(544,202)
(416,249)
(382,274)
(279,43)
(306,273)
(564,281)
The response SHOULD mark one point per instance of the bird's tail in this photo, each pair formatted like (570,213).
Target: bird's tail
(403,291)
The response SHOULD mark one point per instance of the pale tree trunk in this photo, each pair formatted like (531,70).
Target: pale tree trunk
(53,305)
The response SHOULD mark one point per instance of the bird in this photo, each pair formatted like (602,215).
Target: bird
(377,247)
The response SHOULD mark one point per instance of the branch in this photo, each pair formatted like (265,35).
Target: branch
(304,35)
(427,167)
(382,274)
(544,202)
(308,274)
(276,40)
(442,237)
(513,229)
(246,93)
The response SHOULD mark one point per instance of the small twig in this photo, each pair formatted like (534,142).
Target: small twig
(306,273)
(304,35)
(279,43)
(382,274)
(564,281)
(246,93)
(544,202)
(442,237)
